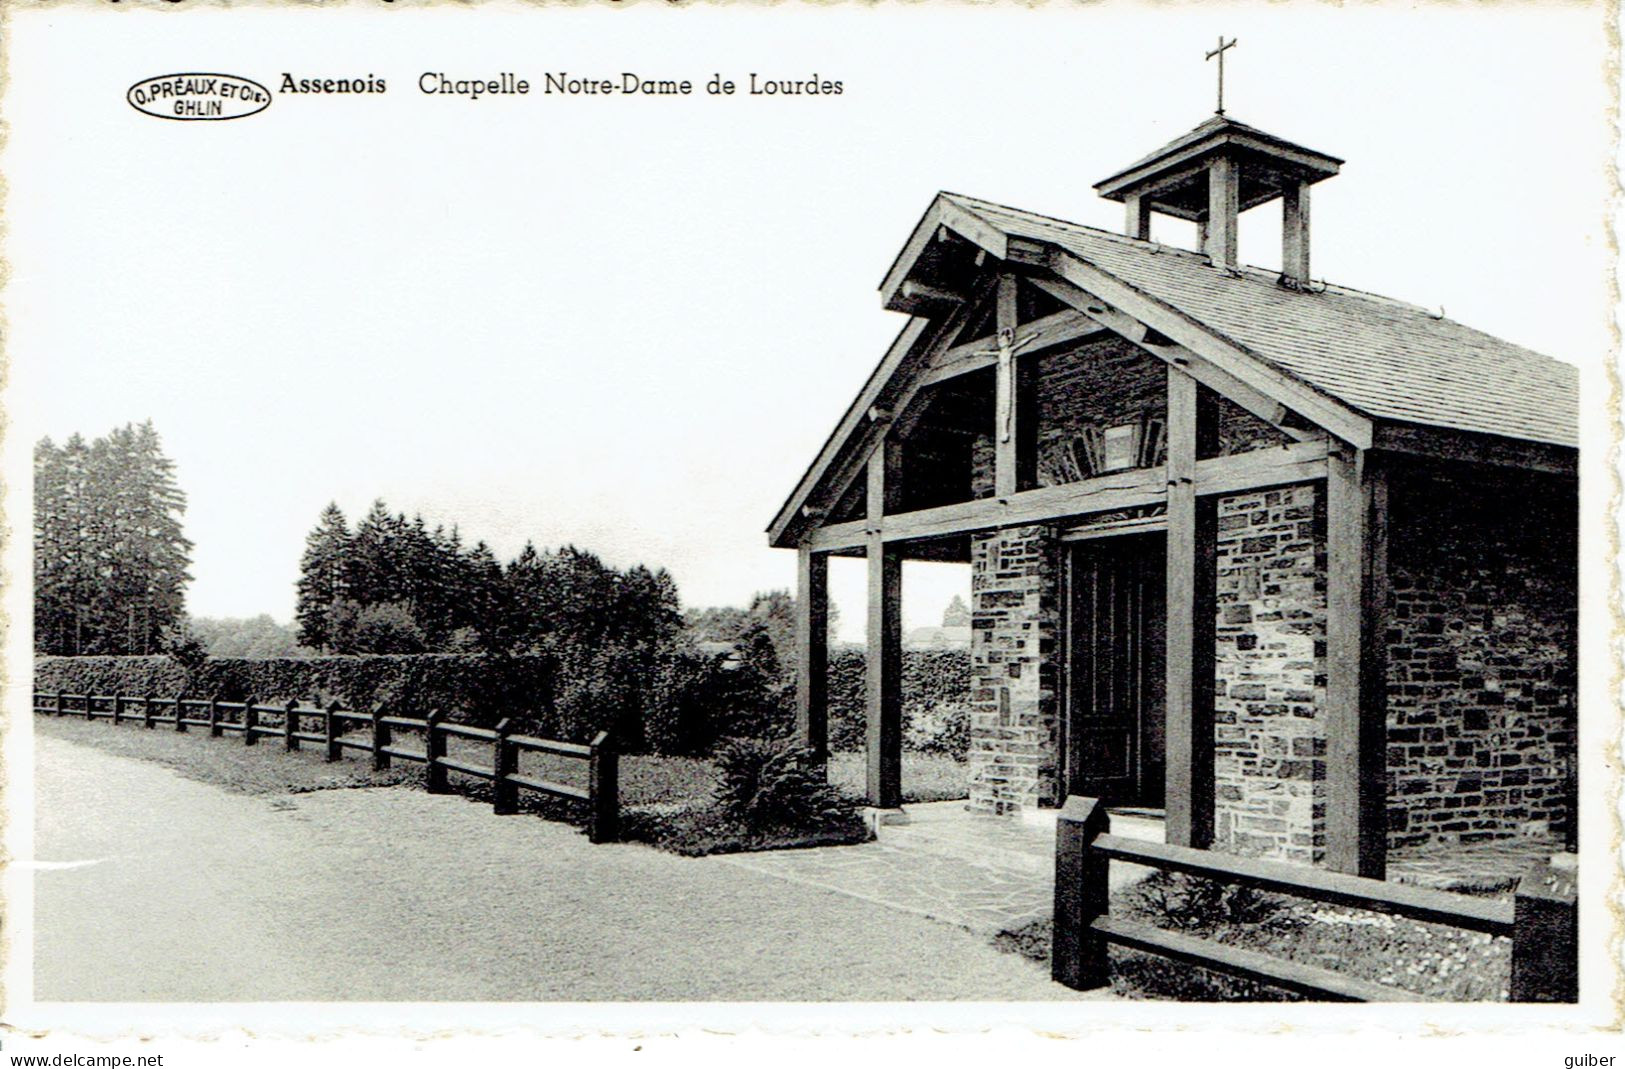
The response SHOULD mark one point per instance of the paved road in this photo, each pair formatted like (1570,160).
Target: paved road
(194,894)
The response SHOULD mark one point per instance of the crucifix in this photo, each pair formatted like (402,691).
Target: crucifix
(1220,51)
(1009,346)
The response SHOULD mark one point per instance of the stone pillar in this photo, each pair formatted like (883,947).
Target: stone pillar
(1015,757)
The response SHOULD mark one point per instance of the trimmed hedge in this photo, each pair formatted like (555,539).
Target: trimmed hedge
(665,705)
(469,688)
(936,700)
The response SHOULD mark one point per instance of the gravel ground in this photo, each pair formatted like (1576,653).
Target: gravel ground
(157,887)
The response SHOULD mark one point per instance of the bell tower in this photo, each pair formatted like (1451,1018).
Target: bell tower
(1213,174)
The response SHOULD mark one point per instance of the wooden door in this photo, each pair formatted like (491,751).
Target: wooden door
(1115,627)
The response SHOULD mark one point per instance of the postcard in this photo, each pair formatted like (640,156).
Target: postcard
(797,522)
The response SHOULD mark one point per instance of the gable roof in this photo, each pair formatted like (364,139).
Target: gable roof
(1219,133)
(1390,360)
(1370,357)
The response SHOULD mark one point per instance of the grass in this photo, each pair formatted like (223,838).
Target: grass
(926,777)
(225,762)
(1429,959)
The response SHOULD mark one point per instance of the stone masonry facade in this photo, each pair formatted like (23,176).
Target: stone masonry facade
(1015,616)
(1481,669)
(1270,675)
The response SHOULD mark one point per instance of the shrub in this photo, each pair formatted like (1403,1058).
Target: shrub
(765,784)
(936,698)
(1200,906)
(944,730)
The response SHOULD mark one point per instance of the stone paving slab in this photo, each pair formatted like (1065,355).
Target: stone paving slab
(984,874)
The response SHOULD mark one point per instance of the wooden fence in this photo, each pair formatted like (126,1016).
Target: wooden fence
(1541,920)
(289,723)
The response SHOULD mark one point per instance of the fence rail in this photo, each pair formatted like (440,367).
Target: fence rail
(602,793)
(1541,920)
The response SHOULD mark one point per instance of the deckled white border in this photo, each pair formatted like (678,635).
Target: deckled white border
(1503,1034)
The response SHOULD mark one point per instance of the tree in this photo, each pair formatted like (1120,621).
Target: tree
(110,553)
(256,638)
(957,614)
(322,577)
(388,628)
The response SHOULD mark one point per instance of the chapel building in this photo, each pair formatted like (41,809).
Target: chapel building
(1295,564)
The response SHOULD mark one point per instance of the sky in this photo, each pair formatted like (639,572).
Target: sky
(630,323)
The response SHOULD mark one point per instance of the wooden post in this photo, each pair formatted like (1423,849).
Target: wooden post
(1545,937)
(180,712)
(1356,684)
(812,652)
(434,747)
(290,725)
(603,778)
(884,698)
(1223,206)
(146,711)
(90,702)
(118,709)
(251,720)
(214,718)
(1138,212)
(330,729)
(59,703)
(504,762)
(1295,231)
(1077,954)
(380,739)
(1191,576)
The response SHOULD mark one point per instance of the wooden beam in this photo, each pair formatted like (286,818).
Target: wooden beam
(1191,574)
(812,652)
(942,215)
(1443,443)
(1137,210)
(1007,436)
(1298,463)
(884,696)
(1197,341)
(1223,209)
(832,474)
(1262,405)
(924,292)
(1295,231)
(885,486)
(913,334)
(1039,334)
(1356,690)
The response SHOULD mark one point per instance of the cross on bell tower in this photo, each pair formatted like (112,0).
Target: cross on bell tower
(1219,52)
(1217,171)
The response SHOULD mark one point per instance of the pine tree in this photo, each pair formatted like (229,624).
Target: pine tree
(110,556)
(322,581)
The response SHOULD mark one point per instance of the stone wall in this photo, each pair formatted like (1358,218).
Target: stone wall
(1481,672)
(1103,382)
(1015,613)
(1269,691)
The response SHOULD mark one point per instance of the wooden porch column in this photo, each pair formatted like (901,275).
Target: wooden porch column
(884,696)
(1190,617)
(1356,674)
(812,652)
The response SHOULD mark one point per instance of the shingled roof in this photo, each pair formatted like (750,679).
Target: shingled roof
(1390,360)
